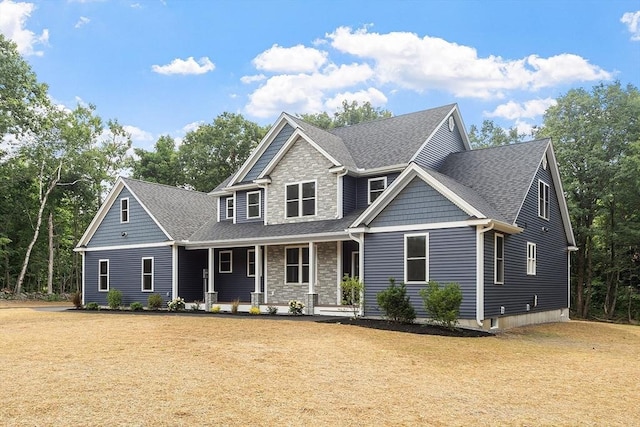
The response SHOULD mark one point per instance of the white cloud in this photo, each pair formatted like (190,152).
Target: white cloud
(296,59)
(185,66)
(632,20)
(13,17)
(138,136)
(135,6)
(82,22)
(189,127)
(528,109)
(371,95)
(304,93)
(431,63)
(524,128)
(252,79)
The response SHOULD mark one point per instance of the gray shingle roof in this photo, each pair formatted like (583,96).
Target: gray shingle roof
(180,212)
(500,175)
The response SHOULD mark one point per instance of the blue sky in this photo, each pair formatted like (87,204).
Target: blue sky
(165,66)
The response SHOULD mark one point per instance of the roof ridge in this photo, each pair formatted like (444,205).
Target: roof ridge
(518,143)
(126,178)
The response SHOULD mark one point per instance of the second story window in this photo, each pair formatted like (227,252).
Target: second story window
(376,187)
(543,200)
(124,210)
(253,204)
(301,199)
(229,208)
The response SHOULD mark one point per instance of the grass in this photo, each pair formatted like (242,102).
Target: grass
(79,368)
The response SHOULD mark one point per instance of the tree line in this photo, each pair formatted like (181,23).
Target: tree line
(56,166)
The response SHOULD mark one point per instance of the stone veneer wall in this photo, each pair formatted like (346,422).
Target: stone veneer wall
(279,292)
(302,163)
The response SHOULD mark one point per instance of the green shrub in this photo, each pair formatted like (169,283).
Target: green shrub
(215,309)
(195,306)
(176,304)
(53,297)
(154,301)
(136,306)
(272,310)
(114,298)
(352,288)
(395,303)
(76,299)
(234,306)
(92,306)
(296,307)
(442,304)
(254,310)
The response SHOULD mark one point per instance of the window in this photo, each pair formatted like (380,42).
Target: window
(416,258)
(376,187)
(297,265)
(531,258)
(225,259)
(124,210)
(301,199)
(229,208)
(251,263)
(253,204)
(498,266)
(103,275)
(543,200)
(147,274)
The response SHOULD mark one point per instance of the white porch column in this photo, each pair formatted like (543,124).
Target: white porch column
(174,272)
(362,271)
(312,296)
(257,297)
(212,296)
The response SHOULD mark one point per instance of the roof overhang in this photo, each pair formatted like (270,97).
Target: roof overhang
(270,240)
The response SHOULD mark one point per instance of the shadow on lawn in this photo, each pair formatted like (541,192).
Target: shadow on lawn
(412,328)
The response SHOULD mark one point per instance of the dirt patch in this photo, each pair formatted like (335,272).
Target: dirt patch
(411,328)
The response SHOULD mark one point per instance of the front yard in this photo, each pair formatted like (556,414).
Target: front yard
(79,368)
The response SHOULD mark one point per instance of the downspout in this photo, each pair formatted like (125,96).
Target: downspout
(360,241)
(340,204)
(480,272)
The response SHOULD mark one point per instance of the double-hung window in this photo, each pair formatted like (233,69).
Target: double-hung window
(103,275)
(543,200)
(147,274)
(297,265)
(124,210)
(498,265)
(531,258)
(253,204)
(376,187)
(230,208)
(251,263)
(225,262)
(301,199)
(416,258)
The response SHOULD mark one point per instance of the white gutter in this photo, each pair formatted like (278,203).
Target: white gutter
(340,174)
(480,271)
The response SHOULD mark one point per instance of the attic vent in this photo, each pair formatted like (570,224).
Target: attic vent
(544,163)
(452,124)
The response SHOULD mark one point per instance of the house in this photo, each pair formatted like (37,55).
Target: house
(402,197)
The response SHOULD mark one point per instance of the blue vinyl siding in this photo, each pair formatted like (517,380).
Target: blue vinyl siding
(223,208)
(125,274)
(140,228)
(241,207)
(440,146)
(452,258)
(349,194)
(269,153)
(190,265)
(362,188)
(550,281)
(418,203)
(234,285)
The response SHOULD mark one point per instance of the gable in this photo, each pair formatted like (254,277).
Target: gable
(269,153)
(418,203)
(140,229)
(444,141)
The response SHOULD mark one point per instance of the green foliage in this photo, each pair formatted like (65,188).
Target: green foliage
(136,306)
(176,304)
(234,306)
(114,298)
(154,301)
(54,298)
(272,310)
(352,289)
(351,114)
(395,303)
(76,299)
(442,304)
(254,310)
(161,166)
(195,305)
(92,306)
(296,307)
(492,135)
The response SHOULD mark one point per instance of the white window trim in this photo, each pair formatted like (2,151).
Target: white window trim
(495,259)
(220,270)
(100,261)
(300,264)
(233,208)
(259,193)
(251,253)
(142,274)
(532,258)
(300,199)
(128,210)
(382,178)
(426,261)
(544,200)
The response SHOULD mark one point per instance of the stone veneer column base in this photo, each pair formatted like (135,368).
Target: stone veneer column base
(312,301)
(210,298)
(257,298)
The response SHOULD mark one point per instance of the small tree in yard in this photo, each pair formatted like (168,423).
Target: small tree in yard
(114,298)
(352,289)
(395,303)
(443,304)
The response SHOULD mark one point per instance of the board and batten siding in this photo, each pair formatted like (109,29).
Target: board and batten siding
(125,274)
(443,143)
(418,203)
(452,258)
(241,207)
(269,153)
(550,283)
(140,229)
(190,265)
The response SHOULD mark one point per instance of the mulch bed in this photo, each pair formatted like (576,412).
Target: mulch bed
(412,328)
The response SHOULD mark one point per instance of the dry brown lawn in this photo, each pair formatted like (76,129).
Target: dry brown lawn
(89,368)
